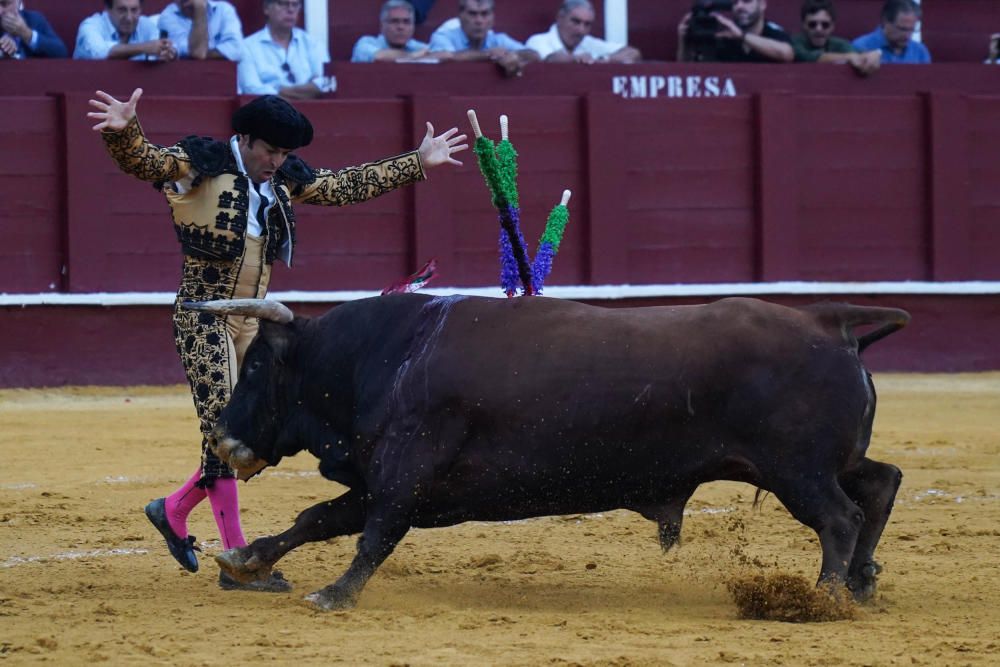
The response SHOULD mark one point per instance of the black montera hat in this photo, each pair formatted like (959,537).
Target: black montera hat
(275,121)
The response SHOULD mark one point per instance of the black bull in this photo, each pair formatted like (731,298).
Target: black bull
(435,411)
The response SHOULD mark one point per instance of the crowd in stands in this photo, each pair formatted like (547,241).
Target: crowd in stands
(281,58)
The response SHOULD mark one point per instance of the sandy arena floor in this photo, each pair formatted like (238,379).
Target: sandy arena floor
(84,578)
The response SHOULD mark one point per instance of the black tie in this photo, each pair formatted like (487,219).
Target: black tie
(260,210)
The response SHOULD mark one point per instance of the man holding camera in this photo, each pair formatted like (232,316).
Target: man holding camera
(706,34)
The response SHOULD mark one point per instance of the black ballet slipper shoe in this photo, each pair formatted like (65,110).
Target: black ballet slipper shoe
(181,548)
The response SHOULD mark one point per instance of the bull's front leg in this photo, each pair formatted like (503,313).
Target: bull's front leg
(383,530)
(341,516)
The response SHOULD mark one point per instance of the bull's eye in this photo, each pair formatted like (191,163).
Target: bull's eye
(253,366)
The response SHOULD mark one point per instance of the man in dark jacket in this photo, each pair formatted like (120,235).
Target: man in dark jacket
(26,34)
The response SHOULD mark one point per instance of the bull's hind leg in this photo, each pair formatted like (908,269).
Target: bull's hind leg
(342,516)
(872,485)
(823,506)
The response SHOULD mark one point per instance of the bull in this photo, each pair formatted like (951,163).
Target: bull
(438,410)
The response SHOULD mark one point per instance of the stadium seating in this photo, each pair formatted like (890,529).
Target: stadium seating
(954,30)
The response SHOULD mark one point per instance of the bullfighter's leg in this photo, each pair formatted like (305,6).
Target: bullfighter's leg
(332,518)
(872,485)
(384,528)
(823,506)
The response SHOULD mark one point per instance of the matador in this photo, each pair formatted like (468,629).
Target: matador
(231,203)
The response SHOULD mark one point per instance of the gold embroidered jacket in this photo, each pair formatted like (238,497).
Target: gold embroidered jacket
(210,218)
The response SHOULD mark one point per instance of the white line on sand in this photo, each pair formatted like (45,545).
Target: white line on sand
(71,555)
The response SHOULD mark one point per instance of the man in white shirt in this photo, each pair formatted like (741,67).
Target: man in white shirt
(569,39)
(203,29)
(122,32)
(395,42)
(471,38)
(282,59)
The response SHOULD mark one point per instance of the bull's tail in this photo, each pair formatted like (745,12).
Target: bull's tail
(846,316)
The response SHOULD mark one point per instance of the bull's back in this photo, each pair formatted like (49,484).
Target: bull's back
(558,347)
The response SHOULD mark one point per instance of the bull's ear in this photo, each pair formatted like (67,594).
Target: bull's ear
(278,337)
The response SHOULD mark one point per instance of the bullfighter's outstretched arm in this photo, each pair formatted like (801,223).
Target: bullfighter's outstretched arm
(128,146)
(358,184)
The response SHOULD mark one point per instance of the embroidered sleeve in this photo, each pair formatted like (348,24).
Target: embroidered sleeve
(358,184)
(135,155)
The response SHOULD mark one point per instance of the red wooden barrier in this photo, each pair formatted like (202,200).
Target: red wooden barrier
(765,186)
(792,173)
(48,346)
(31,186)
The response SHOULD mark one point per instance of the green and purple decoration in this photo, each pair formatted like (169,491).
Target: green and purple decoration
(498,164)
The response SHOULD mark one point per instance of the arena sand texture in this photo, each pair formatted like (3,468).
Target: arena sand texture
(84,578)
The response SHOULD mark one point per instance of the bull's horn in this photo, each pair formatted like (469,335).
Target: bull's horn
(265,309)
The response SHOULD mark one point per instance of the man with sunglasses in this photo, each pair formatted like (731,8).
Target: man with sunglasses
(894,38)
(281,58)
(817,44)
(746,37)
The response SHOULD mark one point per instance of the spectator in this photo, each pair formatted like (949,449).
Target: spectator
(282,59)
(816,42)
(894,38)
(569,40)
(473,39)
(395,43)
(122,32)
(994,54)
(203,29)
(747,37)
(26,34)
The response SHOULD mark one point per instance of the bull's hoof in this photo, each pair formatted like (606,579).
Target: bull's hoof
(243,566)
(273,582)
(332,599)
(863,584)
(669,533)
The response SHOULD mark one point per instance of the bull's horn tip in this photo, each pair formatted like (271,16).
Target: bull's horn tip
(504,126)
(565,197)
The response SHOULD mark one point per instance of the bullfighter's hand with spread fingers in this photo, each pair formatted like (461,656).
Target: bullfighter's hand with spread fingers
(439,150)
(113,114)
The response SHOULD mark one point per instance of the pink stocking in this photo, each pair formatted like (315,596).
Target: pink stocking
(180,503)
(226,508)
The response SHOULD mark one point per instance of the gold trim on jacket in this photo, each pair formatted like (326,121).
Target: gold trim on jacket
(211,218)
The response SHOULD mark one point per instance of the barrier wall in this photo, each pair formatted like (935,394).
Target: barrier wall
(681,174)
(879,182)
(129,345)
